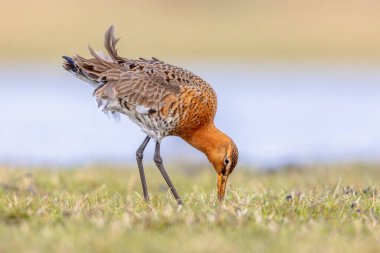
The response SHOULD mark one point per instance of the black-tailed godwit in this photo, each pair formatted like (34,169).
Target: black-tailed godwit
(163,100)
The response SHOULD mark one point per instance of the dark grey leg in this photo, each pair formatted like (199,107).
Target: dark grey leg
(158,160)
(139,157)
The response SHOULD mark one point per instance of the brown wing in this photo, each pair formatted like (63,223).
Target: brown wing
(148,84)
(144,89)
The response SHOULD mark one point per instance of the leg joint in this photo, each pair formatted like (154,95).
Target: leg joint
(139,154)
(140,150)
(157,159)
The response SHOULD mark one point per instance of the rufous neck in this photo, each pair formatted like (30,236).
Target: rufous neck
(206,138)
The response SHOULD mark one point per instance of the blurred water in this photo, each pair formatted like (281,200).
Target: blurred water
(276,113)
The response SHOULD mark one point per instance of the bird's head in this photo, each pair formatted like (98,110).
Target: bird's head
(220,150)
(224,159)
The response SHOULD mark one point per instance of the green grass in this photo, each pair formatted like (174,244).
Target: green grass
(315,209)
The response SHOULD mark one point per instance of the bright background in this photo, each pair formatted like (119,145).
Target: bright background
(297,81)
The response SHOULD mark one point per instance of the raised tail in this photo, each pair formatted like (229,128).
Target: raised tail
(93,70)
(70,64)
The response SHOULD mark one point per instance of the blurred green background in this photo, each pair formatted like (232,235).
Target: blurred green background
(251,30)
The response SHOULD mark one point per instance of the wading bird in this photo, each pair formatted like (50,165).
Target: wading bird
(163,100)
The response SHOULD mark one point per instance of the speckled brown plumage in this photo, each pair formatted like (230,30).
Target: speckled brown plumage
(161,98)
(180,98)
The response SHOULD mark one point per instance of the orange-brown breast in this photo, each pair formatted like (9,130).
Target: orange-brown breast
(197,106)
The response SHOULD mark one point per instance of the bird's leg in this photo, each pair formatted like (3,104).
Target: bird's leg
(158,160)
(139,158)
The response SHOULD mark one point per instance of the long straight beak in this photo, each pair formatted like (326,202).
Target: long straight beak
(222,181)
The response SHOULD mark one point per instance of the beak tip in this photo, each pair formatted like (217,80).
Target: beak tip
(222,181)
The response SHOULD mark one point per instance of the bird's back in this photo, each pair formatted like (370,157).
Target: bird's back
(161,98)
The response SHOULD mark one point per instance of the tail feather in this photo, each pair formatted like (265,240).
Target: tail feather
(92,70)
(97,71)
(69,64)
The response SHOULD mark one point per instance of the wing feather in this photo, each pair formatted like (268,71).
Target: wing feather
(110,42)
(138,88)
(141,83)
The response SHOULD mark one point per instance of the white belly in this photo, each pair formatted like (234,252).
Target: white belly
(154,127)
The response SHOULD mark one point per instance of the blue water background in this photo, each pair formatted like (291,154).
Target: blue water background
(277,113)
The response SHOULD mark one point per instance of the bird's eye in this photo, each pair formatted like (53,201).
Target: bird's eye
(226,161)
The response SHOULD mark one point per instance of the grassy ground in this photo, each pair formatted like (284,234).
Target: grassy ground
(316,209)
